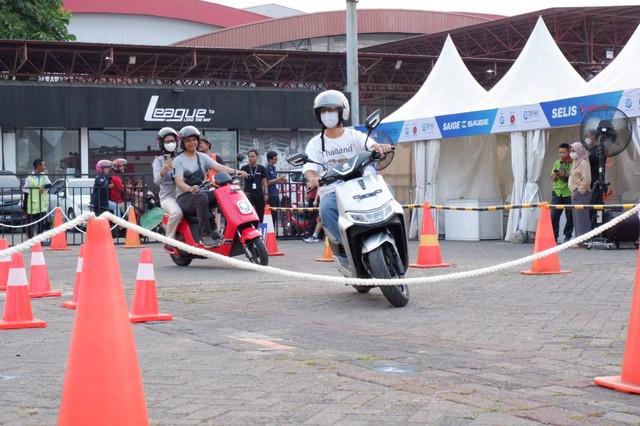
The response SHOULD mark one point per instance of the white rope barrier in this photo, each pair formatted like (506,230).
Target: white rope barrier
(244,265)
(228,261)
(26,225)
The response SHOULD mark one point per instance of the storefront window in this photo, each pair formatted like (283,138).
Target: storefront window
(223,143)
(27,149)
(285,143)
(61,152)
(105,144)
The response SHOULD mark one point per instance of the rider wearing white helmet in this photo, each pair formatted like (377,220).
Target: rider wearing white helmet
(333,145)
(167,141)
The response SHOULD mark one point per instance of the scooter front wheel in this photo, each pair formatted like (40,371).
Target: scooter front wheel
(382,264)
(257,252)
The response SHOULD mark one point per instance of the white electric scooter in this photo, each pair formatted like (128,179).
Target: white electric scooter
(371,221)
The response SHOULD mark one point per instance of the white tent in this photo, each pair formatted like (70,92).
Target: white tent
(541,73)
(622,75)
(449,88)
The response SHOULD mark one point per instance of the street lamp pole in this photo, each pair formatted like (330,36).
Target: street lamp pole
(352,60)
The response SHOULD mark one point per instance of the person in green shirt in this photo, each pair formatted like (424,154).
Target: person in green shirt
(561,193)
(36,188)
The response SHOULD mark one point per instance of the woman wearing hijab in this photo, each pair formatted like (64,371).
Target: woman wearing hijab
(580,186)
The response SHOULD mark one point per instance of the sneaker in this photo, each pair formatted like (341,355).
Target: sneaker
(207,242)
(311,239)
(215,234)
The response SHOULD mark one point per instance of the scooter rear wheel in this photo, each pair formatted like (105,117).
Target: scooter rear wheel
(178,259)
(257,252)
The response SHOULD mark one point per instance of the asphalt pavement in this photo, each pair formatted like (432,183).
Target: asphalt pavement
(255,348)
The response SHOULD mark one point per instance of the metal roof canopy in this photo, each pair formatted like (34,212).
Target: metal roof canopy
(583,35)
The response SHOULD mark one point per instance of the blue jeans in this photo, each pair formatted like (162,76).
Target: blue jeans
(329,215)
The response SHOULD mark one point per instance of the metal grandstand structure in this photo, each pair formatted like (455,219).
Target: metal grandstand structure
(389,73)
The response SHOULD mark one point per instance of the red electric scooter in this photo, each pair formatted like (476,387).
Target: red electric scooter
(240,233)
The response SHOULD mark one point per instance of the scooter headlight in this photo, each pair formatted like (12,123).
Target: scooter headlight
(244,206)
(373,216)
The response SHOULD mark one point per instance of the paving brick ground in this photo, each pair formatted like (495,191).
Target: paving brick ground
(249,348)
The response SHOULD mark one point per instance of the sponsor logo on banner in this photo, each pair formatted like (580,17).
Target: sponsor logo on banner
(171,114)
(466,124)
(630,102)
(568,112)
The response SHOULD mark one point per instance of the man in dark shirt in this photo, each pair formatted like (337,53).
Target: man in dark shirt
(272,181)
(255,184)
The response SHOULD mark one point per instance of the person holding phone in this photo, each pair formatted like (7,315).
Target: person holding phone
(561,194)
(167,141)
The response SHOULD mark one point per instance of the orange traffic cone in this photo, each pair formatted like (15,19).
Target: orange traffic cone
(272,244)
(145,303)
(17,304)
(429,255)
(5,264)
(39,284)
(629,379)
(72,304)
(132,239)
(545,240)
(102,385)
(58,242)
(327,254)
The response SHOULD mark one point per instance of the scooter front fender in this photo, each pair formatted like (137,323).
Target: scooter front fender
(249,233)
(374,241)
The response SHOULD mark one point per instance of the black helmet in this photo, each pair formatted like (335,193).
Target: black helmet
(188,132)
(332,99)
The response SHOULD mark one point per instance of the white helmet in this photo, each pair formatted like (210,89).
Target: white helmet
(332,99)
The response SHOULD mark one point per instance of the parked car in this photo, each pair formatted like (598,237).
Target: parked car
(72,195)
(10,198)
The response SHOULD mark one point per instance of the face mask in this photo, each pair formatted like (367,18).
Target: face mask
(329,119)
(170,147)
(573,155)
(587,141)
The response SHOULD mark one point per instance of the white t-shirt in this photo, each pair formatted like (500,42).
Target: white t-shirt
(336,151)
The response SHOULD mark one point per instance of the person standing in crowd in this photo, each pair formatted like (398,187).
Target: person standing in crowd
(314,200)
(561,194)
(37,197)
(167,141)
(255,184)
(580,186)
(273,179)
(333,145)
(101,186)
(189,198)
(116,189)
(204,146)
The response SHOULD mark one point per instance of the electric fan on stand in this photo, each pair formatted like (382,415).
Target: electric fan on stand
(604,132)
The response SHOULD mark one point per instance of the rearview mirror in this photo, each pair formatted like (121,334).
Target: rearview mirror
(298,159)
(240,157)
(373,120)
